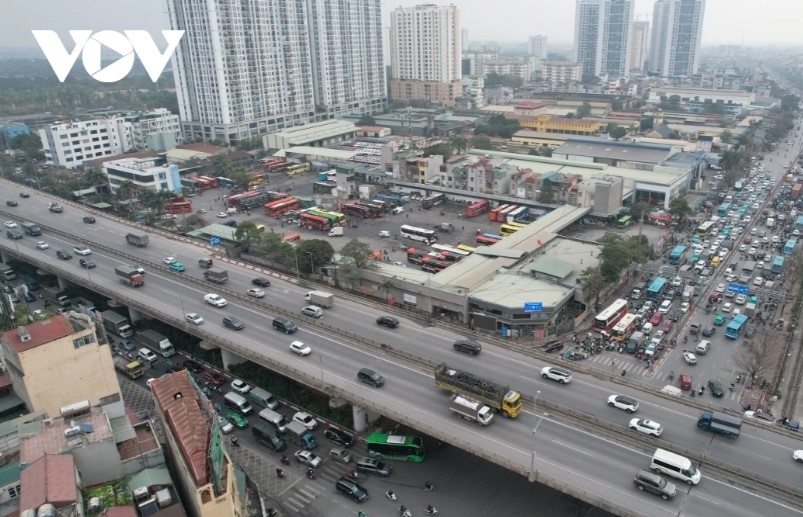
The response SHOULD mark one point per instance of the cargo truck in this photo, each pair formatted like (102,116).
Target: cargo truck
(132,369)
(158,342)
(720,423)
(117,324)
(139,240)
(498,396)
(470,409)
(300,435)
(320,298)
(216,275)
(129,275)
(337,231)
(31,229)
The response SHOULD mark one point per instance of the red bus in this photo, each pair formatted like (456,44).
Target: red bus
(494,214)
(356,210)
(314,222)
(415,256)
(282,206)
(482,240)
(212,182)
(179,207)
(478,208)
(433,265)
(271,165)
(608,318)
(502,215)
(290,237)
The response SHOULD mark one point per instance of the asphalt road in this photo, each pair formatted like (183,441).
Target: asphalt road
(599,465)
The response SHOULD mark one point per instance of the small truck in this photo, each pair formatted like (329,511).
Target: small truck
(216,275)
(320,298)
(129,275)
(470,409)
(132,369)
(139,240)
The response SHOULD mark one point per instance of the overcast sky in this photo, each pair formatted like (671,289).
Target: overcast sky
(726,21)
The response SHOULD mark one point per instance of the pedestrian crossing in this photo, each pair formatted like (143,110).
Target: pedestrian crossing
(304,491)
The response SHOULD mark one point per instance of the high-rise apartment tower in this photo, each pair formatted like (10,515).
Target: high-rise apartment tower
(602,33)
(677,31)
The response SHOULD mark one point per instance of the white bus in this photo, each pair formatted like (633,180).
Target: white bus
(419,234)
(676,466)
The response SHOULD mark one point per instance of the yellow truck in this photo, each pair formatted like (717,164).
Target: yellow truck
(132,369)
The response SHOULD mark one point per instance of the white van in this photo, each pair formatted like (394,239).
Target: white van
(263,398)
(676,466)
(646,329)
(272,417)
(238,403)
(147,356)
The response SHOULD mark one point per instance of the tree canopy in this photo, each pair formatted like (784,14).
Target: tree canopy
(498,125)
(359,253)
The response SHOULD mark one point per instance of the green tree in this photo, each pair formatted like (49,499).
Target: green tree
(366,120)
(593,283)
(584,110)
(671,104)
(680,209)
(547,194)
(617,105)
(617,132)
(246,233)
(482,142)
(726,136)
(315,253)
(386,286)
(646,123)
(640,209)
(359,253)
(459,143)
(442,149)
(30,145)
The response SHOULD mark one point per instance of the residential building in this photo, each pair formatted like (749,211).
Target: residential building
(203,470)
(476,61)
(58,361)
(463,40)
(639,42)
(53,480)
(560,72)
(677,31)
(70,144)
(699,96)
(603,29)
(426,54)
(473,88)
(516,67)
(536,46)
(232,84)
(145,173)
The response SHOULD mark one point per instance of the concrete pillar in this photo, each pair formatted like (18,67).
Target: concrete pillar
(135,315)
(363,417)
(63,283)
(230,358)
(5,257)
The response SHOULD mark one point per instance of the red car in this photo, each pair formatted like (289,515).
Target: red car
(213,378)
(747,240)
(656,318)
(714,298)
(666,325)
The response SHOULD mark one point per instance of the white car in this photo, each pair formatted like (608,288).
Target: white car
(665,306)
(731,278)
(10,224)
(758,281)
(690,358)
(215,299)
(743,247)
(222,214)
(169,260)
(677,281)
(306,419)
(255,292)
(627,404)
(82,250)
(646,426)
(740,299)
(720,288)
(225,426)
(308,458)
(300,348)
(556,374)
(240,386)
(727,307)
(42,245)
(684,307)
(798,456)
(194,318)
(384,234)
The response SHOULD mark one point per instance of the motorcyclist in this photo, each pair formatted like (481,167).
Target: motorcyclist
(235,441)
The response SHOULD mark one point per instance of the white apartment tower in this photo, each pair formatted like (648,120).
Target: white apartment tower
(677,31)
(249,67)
(603,29)
(638,45)
(425,54)
(536,46)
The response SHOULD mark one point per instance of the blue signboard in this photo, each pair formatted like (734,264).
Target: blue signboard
(739,288)
(215,240)
(533,306)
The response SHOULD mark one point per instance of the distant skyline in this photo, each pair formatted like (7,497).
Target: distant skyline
(510,21)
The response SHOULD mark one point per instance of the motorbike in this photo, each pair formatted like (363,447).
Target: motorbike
(672,375)
(431,510)
(234,441)
(405,512)
(353,474)
(311,474)
(429,487)
(285,460)
(390,495)
(272,512)
(282,474)
(692,393)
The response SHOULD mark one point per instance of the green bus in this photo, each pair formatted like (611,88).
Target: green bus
(396,447)
(624,222)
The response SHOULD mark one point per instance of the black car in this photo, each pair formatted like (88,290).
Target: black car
(233,322)
(387,321)
(193,366)
(11,203)
(673,315)
(654,484)
(30,298)
(89,264)
(63,254)
(716,388)
(88,219)
(552,346)
(339,436)
(174,369)
(709,330)
(24,195)
(467,346)
(261,282)
(34,286)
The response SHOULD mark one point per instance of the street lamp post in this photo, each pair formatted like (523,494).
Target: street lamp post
(536,422)
(295,255)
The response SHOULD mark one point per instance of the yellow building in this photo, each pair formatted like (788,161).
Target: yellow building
(444,94)
(202,469)
(562,125)
(55,362)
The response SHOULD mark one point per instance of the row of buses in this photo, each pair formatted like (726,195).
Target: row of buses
(509,213)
